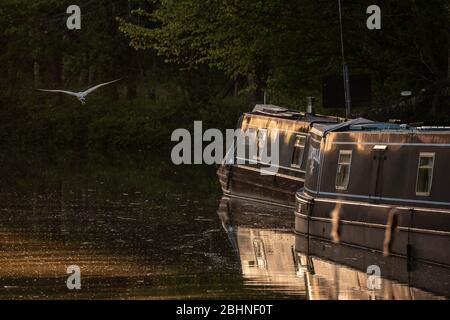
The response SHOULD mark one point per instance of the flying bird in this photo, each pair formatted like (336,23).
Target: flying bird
(81,96)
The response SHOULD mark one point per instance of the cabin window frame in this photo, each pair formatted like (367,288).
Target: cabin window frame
(431,155)
(258,142)
(298,164)
(340,164)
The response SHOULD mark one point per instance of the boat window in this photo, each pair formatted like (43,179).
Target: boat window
(261,138)
(299,151)
(260,253)
(343,169)
(425,174)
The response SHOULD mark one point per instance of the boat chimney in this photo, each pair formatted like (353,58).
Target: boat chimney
(310,105)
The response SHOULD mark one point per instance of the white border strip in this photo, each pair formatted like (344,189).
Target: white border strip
(391,144)
(378,198)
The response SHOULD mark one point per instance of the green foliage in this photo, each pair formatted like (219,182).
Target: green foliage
(202,60)
(288,46)
(153,99)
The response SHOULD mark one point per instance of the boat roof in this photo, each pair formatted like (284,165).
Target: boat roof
(323,124)
(322,130)
(365,125)
(288,114)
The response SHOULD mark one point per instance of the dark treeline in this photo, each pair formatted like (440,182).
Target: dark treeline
(186,60)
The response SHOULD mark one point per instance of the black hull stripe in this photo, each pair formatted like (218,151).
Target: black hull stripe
(267,202)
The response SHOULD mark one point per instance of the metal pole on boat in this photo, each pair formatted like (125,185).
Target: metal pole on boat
(346,76)
(310,105)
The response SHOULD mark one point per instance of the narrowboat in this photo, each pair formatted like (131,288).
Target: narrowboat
(381,186)
(336,272)
(242,175)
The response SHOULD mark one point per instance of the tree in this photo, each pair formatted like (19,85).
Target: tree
(288,46)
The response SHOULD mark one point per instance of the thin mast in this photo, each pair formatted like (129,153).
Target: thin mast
(348,103)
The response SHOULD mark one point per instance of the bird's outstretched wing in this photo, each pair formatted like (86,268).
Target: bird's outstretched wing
(59,91)
(88,91)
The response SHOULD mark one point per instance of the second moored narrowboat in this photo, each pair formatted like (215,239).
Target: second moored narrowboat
(243,176)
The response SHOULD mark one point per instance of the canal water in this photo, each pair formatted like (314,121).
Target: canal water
(141,228)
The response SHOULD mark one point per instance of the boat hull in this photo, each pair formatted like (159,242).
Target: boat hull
(245,182)
(414,233)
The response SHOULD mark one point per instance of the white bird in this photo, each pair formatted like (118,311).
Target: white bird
(81,96)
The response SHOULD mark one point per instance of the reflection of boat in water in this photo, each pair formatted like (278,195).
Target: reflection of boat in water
(380,186)
(278,261)
(266,255)
(335,271)
(241,174)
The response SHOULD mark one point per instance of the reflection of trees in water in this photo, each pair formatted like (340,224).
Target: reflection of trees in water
(65,188)
(119,216)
